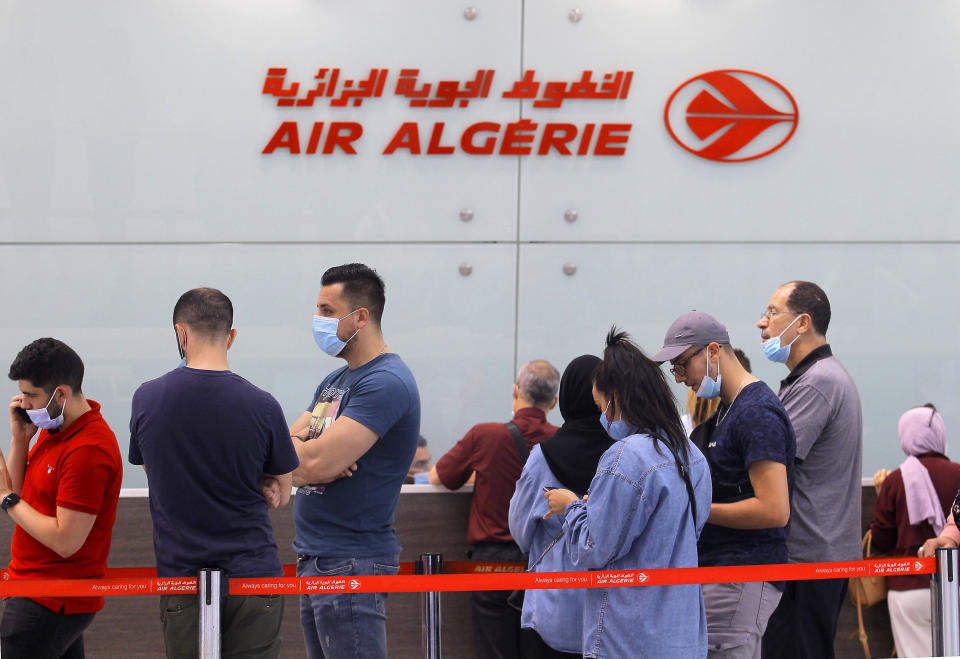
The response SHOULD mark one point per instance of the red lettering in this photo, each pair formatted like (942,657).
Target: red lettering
(406,137)
(336,138)
(466,140)
(551,139)
(607,137)
(286,137)
(515,135)
(585,137)
(435,148)
(314,141)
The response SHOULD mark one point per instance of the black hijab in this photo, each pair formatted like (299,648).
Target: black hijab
(574,451)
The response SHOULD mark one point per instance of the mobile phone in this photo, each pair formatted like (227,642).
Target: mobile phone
(547,488)
(23,414)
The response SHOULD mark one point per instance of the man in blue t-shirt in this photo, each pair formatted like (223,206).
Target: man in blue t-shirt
(208,439)
(355,442)
(750,447)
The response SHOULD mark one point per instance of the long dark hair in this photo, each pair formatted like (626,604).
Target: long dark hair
(636,387)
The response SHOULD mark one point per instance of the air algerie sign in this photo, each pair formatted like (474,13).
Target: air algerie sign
(726,116)
(516,138)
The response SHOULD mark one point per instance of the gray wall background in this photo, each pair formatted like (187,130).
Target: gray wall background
(130,171)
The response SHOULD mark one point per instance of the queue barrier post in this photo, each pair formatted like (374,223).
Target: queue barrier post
(208,590)
(945,603)
(430,607)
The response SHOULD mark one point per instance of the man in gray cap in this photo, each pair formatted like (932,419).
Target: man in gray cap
(750,446)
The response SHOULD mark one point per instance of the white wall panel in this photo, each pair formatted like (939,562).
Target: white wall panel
(144,121)
(890,325)
(872,156)
(114,306)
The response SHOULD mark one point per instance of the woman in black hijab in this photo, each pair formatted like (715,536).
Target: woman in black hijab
(567,460)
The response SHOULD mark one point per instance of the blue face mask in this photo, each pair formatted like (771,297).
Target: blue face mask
(183,362)
(325,334)
(774,351)
(709,388)
(41,418)
(616,429)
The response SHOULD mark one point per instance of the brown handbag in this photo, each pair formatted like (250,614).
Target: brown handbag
(864,592)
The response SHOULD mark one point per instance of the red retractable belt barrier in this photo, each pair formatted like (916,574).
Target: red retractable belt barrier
(472,576)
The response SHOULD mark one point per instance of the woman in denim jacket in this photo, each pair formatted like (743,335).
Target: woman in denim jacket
(566,460)
(647,505)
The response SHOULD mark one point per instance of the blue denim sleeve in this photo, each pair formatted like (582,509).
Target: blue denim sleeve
(601,530)
(528,506)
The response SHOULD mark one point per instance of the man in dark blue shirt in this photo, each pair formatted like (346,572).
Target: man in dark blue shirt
(207,438)
(750,447)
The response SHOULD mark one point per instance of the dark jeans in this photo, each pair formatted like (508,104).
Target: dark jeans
(249,625)
(345,625)
(805,622)
(496,624)
(535,647)
(31,631)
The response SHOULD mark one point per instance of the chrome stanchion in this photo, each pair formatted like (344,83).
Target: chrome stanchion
(945,602)
(430,607)
(208,590)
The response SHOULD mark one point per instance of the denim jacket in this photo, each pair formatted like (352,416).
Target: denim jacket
(556,615)
(638,516)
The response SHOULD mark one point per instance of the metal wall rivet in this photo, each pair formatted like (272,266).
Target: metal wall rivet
(569,269)
(470,13)
(466,269)
(466,214)
(576,15)
(571,215)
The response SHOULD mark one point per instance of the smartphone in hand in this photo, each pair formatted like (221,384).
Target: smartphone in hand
(23,414)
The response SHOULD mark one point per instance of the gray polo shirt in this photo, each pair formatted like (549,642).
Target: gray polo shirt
(824,408)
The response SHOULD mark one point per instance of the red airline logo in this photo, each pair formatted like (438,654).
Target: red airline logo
(731,115)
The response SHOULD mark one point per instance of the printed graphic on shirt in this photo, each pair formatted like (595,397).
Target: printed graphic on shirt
(324,413)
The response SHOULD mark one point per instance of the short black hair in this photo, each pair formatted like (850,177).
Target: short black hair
(206,311)
(362,287)
(47,363)
(806,297)
(743,359)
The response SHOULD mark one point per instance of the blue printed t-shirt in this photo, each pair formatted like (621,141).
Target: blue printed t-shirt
(755,427)
(353,517)
(205,438)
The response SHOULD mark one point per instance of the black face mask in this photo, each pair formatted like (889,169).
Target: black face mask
(179,347)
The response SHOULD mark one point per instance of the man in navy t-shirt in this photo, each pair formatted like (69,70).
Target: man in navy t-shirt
(355,442)
(750,447)
(207,439)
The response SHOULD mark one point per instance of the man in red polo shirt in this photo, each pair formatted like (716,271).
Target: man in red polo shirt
(62,494)
(496,453)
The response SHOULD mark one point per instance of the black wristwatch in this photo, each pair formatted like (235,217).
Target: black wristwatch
(9,501)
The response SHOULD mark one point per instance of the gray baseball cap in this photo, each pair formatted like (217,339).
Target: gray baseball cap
(694,328)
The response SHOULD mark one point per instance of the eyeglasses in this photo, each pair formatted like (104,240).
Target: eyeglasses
(770,314)
(679,369)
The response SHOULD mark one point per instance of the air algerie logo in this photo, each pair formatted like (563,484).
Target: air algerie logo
(731,115)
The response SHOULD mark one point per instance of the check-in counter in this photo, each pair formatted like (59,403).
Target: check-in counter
(429,519)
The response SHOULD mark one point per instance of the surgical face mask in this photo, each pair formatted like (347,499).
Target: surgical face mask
(709,388)
(325,334)
(616,429)
(772,348)
(41,418)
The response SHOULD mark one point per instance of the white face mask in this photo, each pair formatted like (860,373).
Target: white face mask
(41,418)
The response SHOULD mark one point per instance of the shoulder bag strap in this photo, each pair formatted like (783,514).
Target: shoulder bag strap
(522,449)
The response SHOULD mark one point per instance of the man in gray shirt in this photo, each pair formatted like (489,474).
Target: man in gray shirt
(824,408)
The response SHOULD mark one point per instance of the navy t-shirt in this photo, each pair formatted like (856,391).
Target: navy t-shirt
(205,438)
(755,427)
(353,517)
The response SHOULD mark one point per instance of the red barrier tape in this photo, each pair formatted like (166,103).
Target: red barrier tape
(538,580)
(473,577)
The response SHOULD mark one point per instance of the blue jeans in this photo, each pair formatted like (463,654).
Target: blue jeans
(345,625)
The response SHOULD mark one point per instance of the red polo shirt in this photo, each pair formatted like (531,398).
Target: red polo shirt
(79,468)
(489,450)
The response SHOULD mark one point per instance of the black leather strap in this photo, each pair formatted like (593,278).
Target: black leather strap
(522,449)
